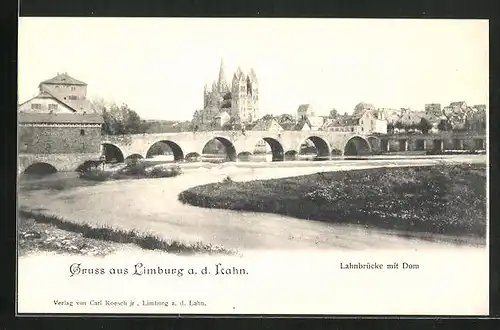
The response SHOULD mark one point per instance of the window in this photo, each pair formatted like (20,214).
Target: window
(52,107)
(36,106)
(82,132)
(72,97)
(73,88)
(352,129)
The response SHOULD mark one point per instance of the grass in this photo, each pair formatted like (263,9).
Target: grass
(31,239)
(442,199)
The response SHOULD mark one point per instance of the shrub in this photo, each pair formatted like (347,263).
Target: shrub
(88,165)
(134,168)
(227,179)
(164,172)
(95,175)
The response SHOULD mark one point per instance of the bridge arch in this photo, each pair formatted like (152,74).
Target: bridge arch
(229,149)
(278,153)
(165,147)
(321,145)
(134,156)
(40,168)
(112,153)
(245,156)
(291,155)
(193,157)
(375,143)
(357,145)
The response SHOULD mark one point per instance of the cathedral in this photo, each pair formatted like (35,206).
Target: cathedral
(224,105)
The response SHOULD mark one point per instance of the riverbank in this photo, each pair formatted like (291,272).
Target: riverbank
(152,205)
(38,232)
(444,199)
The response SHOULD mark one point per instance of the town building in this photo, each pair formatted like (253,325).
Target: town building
(268,125)
(433,109)
(310,123)
(367,121)
(304,111)
(240,101)
(58,126)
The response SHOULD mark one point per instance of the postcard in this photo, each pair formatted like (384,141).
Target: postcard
(252,166)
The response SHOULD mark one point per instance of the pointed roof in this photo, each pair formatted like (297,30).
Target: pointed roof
(63,79)
(266,124)
(74,105)
(252,75)
(222,74)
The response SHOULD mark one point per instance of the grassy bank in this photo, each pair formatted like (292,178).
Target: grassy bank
(444,199)
(40,232)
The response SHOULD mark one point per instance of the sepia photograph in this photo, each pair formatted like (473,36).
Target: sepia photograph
(252,166)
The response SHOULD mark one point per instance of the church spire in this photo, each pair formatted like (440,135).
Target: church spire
(222,84)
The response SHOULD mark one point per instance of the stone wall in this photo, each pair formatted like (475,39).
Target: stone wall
(62,162)
(38,139)
(80,91)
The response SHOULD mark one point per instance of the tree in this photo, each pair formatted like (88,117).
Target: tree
(444,125)
(424,126)
(267,117)
(334,114)
(119,120)
(287,121)
(390,127)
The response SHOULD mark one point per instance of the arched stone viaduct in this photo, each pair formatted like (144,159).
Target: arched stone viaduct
(238,143)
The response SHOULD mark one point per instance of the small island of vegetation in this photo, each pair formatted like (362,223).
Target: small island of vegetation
(444,199)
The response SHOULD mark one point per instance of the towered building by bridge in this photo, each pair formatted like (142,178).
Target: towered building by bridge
(57,128)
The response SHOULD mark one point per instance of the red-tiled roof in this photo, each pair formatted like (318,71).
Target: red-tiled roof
(63,79)
(61,118)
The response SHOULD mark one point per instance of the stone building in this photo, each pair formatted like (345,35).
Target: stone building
(369,121)
(58,128)
(240,101)
(433,110)
(304,111)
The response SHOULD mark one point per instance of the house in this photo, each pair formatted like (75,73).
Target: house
(268,125)
(60,120)
(221,119)
(61,94)
(459,106)
(310,124)
(433,109)
(305,110)
(391,115)
(409,117)
(345,123)
(371,121)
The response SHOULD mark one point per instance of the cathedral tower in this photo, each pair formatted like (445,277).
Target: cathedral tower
(245,97)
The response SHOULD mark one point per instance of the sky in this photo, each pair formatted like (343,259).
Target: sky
(158,66)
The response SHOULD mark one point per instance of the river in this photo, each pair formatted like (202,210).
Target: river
(151,205)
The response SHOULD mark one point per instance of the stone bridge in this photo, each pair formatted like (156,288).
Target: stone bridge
(239,144)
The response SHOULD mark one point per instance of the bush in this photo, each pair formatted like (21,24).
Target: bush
(163,172)
(95,175)
(88,165)
(227,179)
